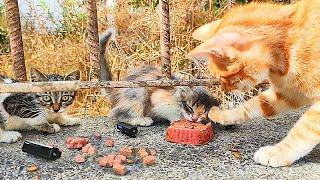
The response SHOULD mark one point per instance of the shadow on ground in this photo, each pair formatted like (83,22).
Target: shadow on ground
(211,161)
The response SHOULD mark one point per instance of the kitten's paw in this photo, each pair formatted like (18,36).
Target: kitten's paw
(56,128)
(220,116)
(10,137)
(273,156)
(72,121)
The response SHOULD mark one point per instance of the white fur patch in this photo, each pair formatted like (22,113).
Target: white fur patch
(10,136)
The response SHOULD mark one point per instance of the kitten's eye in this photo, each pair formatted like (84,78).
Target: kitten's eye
(188,108)
(46,98)
(65,98)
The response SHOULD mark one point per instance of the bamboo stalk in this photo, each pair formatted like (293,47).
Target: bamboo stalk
(76,85)
(16,43)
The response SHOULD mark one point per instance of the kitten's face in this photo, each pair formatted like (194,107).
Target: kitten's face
(193,111)
(195,103)
(55,102)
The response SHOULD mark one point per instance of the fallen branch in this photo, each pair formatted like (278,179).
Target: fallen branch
(76,85)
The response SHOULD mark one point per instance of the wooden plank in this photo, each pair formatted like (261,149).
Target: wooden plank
(76,85)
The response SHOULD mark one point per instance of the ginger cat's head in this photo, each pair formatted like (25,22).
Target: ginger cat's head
(241,48)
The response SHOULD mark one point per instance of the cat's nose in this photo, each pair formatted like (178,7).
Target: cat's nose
(194,117)
(56,107)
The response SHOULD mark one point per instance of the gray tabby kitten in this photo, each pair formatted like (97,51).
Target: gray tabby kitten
(144,106)
(39,111)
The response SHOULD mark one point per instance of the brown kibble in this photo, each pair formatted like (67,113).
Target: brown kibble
(119,169)
(79,158)
(86,148)
(110,159)
(97,135)
(109,142)
(126,151)
(153,152)
(120,159)
(149,160)
(103,161)
(76,142)
(32,168)
(236,154)
(143,153)
(92,150)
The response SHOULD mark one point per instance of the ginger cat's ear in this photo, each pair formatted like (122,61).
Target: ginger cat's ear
(215,48)
(206,31)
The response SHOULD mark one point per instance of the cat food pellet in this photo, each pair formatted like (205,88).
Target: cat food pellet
(86,148)
(92,150)
(119,169)
(32,168)
(120,159)
(109,142)
(103,161)
(149,160)
(76,142)
(97,135)
(126,151)
(143,153)
(110,160)
(79,158)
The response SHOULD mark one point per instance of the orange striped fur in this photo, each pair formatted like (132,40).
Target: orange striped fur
(278,43)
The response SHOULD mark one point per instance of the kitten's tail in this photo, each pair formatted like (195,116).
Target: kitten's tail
(105,72)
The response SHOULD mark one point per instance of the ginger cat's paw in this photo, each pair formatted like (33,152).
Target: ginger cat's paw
(10,137)
(220,116)
(274,156)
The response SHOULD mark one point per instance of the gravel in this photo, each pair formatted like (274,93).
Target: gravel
(211,161)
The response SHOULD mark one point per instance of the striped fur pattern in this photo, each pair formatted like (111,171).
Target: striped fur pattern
(144,106)
(278,43)
(40,111)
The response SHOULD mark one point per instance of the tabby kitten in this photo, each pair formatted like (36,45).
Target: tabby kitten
(278,43)
(39,111)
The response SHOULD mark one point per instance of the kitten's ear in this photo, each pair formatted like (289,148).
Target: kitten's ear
(36,75)
(206,31)
(73,76)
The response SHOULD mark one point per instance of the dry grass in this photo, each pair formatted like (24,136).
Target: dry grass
(137,43)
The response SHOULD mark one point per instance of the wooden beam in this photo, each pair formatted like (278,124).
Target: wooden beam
(76,85)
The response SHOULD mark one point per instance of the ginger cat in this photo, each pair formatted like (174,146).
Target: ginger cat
(278,43)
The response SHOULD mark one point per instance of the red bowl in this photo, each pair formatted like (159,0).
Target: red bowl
(187,132)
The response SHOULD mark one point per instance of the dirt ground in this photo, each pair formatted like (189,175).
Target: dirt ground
(211,161)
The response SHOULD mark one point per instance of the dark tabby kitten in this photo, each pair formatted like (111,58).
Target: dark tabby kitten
(39,111)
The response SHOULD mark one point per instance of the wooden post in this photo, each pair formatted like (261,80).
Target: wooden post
(93,37)
(16,43)
(165,37)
